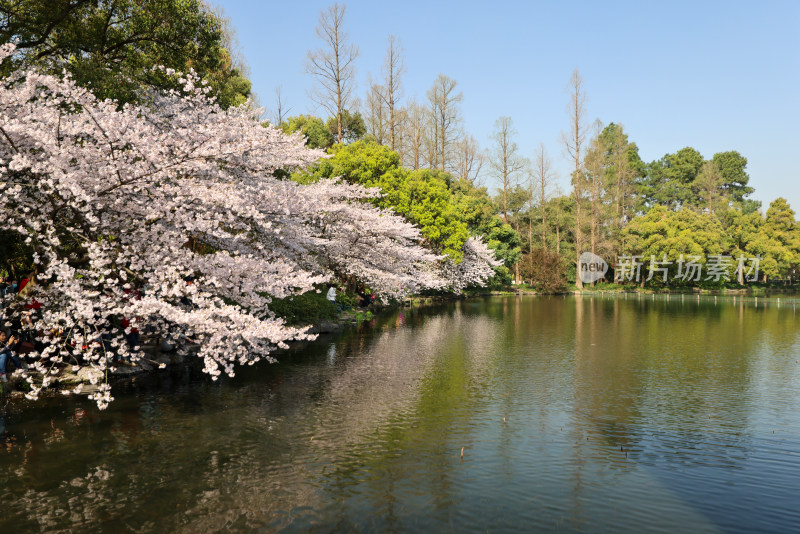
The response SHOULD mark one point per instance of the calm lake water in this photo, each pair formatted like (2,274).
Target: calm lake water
(574,414)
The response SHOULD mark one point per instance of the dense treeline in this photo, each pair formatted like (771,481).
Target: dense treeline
(416,150)
(679,206)
(133,189)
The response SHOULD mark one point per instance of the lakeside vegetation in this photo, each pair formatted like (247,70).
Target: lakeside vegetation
(138,181)
(417,152)
(683,204)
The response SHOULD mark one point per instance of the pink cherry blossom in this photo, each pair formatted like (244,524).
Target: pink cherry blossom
(171,214)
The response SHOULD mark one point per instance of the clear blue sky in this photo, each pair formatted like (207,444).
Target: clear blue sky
(715,76)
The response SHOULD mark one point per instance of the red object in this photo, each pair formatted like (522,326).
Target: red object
(126,323)
(33,305)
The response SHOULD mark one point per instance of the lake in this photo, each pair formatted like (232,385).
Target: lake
(502,414)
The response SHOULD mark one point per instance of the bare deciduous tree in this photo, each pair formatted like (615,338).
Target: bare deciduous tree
(573,143)
(401,117)
(559,217)
(446,118)
(377,120)
(469,159)
(505,161)
(540,187)
(280,110)
(393,70)
(430,141)
(414,134)
(333,65)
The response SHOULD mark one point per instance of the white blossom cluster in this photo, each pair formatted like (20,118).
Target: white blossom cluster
(477,266)
(170,214)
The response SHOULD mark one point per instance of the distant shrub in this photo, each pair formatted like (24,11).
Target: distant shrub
(546,270)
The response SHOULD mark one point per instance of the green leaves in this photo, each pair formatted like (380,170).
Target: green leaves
(444,209)
(779,239)
(776,239)
(734,178)
(317,133)
(362,162)
(662,232)
(684,179)
(112,46)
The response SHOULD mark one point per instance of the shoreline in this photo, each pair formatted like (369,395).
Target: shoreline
(155,359)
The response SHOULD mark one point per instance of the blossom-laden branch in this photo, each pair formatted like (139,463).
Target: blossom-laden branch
(109,198)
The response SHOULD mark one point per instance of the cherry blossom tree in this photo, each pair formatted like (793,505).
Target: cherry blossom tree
(476,267)
(171,216)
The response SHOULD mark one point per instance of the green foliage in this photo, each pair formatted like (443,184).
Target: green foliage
(317,133)
(561,231)
(615,141)
(749,205)
(504,240)
(474,204)
(479,213)
(734,178)
(741,229)
(446,210)
(623,169)
(112,46)
(669,180)
(364,316)
(362,162)
(602,285)
(707,189)
(353,127)
(730,232)
(348,299)
(517,199)
(422,196)
(684,179)
(306,308)
(502,278)
(777,241)
(662,232)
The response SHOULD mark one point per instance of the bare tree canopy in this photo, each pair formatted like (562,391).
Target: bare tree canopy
(469,159)
(542,178)
(414,134)
(393,70)
(377,114)
(281,111)
(446,118)
(333,65)
(505,162)
(573,144)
